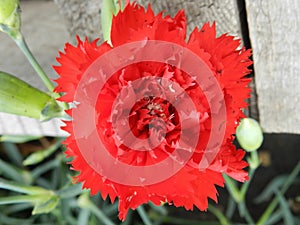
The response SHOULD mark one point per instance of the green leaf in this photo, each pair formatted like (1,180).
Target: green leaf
(19,199)
(141,211)
(19,98)
(83,218)
(18,139)
(11,172)
(71,191)
(39,156)
(85,203)
(160,209)
(5,220)
(287,215)
(270,189)
(17,187)
(47,205)
(13,153)
(274,218)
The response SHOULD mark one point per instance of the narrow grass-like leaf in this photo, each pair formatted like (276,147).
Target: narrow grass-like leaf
(144,215)
(111,209)
(19,199)
(43,168)
(13,153)
(6,220)
(39,156)
(83,218)
(160,209)
(11,172)
(128,220)
(270,189)
(18,138)
(287,215)
(16,208)
(274,218)
(86,203)
(70,191)
(289,181)
(46,206)
(17,187)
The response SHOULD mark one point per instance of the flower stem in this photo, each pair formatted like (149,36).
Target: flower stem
(232,188)
(243,210)
(275,201)
(239,194)
(19,199)
(231,206)
(21,43)
(245,186)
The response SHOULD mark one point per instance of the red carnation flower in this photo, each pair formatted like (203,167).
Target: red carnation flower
(155,130)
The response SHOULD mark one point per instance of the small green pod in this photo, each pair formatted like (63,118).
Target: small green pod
(19,98)
(9,16)
(249,134)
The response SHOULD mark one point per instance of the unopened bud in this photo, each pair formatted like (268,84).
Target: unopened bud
(249,134)
(10,16)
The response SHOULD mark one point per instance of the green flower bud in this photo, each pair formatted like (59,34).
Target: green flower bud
(19,98)
(10,21)
(249,134)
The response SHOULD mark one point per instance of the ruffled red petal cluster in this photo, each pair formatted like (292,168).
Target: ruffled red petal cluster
(189,186)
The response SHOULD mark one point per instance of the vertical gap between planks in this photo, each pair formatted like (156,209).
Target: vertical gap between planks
(252,110)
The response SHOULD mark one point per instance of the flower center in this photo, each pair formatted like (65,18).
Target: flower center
(148,109)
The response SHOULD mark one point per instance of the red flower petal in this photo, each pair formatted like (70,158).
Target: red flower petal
(190,186)
(136,24)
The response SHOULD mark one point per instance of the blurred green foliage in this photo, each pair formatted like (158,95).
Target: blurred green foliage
(37,188)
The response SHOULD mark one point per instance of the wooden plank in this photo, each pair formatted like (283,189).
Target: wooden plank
(18,125)
(82,17)
(274,28)
(224,12)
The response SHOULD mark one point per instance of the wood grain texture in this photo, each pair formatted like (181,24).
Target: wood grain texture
(82,17)
(224,12)
(19,126)
(274,28)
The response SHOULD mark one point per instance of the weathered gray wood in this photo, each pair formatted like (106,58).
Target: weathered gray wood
(224,12)
(82,17)
(274,31)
